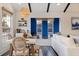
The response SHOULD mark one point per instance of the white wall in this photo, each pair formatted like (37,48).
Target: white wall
(8,7)
(0,27)
(65,22)
(4,44)
(65,18)
(66,27)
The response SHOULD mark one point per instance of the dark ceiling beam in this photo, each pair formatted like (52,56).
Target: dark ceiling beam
(66,7)
(30,7)
(48,7)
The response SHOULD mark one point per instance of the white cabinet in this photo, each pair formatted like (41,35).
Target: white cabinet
(4,44)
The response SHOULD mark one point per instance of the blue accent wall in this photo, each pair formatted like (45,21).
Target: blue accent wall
(44,28)
(56,25)
(33,26)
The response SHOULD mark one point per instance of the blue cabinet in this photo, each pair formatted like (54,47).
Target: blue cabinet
(33,26)
(56,25)
(44,28)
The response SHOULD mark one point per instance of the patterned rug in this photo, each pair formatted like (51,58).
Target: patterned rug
(48,51)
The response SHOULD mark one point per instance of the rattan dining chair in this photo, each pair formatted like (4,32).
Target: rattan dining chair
(19,47)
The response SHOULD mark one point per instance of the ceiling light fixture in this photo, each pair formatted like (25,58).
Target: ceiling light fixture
(24,12)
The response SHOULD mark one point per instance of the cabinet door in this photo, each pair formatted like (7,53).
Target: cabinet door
(56,25)
(44,28)
(33,26)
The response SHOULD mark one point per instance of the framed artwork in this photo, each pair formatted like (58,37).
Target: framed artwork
(75,23)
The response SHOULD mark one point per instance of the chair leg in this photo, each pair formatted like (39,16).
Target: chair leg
(11,50)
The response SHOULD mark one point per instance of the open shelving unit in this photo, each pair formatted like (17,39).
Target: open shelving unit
(22,27)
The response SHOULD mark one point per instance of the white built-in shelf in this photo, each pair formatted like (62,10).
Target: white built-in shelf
(22,25)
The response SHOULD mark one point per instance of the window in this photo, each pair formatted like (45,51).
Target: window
(6,20)
(6,23)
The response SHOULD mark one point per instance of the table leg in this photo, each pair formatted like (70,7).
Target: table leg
(33,52)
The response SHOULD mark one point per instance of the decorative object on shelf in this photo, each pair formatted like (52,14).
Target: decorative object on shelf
(22,19)
(22,22)
(75,23)
(18,30)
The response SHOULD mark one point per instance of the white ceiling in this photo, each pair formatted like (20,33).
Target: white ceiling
(57,8)
(74,7)
(42,7)
(39,7)
(18,6)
